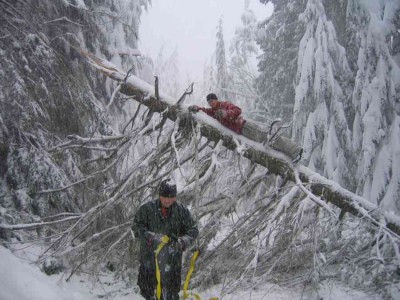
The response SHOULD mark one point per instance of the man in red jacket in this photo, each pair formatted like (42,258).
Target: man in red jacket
(229,115)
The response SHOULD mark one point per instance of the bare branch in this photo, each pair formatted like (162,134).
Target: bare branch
(36,225)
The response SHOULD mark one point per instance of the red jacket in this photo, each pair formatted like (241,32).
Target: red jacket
(233,120)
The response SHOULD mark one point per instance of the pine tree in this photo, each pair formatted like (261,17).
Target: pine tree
(279,37)
(49,93)
(220,62)
(242,69)
(319,119)
(167,70)
(376,131)
(243,45)
(340,88)
(208,84)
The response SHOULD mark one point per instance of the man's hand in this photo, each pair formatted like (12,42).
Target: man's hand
(194,108)
(221,114)
(154,239)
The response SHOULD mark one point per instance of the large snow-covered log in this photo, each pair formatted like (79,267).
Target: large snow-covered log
(274,161)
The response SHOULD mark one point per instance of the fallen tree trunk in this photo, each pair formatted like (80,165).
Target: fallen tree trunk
(274,161)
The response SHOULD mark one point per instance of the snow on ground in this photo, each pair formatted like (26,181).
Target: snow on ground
(20,279)
(267,291)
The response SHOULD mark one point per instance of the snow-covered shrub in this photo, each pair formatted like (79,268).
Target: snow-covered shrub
(52,266)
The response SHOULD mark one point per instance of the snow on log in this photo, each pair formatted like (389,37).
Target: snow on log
(274,161)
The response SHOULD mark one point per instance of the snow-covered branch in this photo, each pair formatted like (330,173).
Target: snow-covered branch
(39,224)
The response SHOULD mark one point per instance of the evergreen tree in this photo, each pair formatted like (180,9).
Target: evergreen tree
(167,70)
(279,37)
(208,83)
(242,69)
(374,28)
(220,62)
(243,45)
(320,97)
(331,67)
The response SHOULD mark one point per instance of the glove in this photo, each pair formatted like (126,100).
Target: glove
(154,240)
(221,114)
(193,108)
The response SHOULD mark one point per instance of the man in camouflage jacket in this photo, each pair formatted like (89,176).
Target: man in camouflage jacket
(153,220)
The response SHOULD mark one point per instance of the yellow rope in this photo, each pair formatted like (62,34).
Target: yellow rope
(164,241)
(188,276)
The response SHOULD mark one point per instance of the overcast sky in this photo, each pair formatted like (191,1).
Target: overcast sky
(191,26)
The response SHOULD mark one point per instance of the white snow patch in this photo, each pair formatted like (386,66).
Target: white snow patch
(22,280)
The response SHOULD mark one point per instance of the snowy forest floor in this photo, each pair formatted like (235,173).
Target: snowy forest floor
(21,279)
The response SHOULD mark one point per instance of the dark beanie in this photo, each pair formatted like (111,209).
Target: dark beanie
(167,188)
(212,96)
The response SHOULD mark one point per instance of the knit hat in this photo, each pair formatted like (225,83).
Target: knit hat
(167,188)
(211,96)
